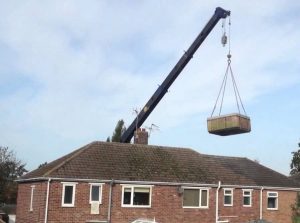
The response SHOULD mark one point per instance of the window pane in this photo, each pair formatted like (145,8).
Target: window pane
(141,196)
(68,195)
(127,196)
(227,200)
(228,192)
(204,194)
(272,202)
(246,193)
(95,193)
(272,194)
(191,197)
(141,190)
(127,190)
(246,200)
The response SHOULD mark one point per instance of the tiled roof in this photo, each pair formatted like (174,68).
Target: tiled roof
(133,162)
(295,178)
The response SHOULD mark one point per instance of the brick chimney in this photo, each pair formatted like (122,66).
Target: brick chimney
(141,136)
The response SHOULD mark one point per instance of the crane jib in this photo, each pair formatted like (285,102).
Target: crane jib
(163,88)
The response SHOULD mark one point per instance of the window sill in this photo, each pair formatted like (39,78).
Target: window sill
(96,221)
(68,206)
(272,209)
(135,206)
(97,202)
(195,207)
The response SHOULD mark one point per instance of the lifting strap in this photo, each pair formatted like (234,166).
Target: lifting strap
(222,90)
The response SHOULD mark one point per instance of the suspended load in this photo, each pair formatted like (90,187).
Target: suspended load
(229,124)
(234,123)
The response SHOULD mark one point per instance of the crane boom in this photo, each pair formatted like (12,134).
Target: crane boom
(163,88)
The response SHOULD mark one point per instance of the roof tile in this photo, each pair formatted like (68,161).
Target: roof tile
(133,162)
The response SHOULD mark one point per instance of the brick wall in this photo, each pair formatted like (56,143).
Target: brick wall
(166,206)
(23,202)
(237,213)
(81,211)
(284,212)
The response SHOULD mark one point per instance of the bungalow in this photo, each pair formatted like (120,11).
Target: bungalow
(122,183)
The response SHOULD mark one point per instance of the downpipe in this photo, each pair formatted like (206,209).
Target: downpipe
(47,201)
(260,204)
(112,182)
(217,206)
(217,202)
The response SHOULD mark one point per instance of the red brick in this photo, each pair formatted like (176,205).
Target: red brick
(166,206)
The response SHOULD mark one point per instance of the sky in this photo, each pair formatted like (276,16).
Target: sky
(69,70)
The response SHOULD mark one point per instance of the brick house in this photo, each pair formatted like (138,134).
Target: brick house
(120,183)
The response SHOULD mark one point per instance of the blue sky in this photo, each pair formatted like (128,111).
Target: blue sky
(69,70)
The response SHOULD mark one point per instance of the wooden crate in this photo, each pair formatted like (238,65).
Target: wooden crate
(230,124)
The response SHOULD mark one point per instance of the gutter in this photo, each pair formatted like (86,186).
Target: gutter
(47,201)
(61,179)
(160,183)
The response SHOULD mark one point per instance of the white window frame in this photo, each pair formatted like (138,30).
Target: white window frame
(31,197)
(231,194)
(247,195)
(270,196)
(200,194)
(100,185)
(72,184)
(131,205)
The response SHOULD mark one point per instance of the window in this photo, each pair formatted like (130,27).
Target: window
(247,198)
(31,198)
(228,197)
(96,193)
(272,200)
(136,196)
(195,198)
(68,195)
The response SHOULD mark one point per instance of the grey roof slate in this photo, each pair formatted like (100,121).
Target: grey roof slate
(133,162)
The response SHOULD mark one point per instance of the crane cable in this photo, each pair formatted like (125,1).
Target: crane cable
(224,82)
